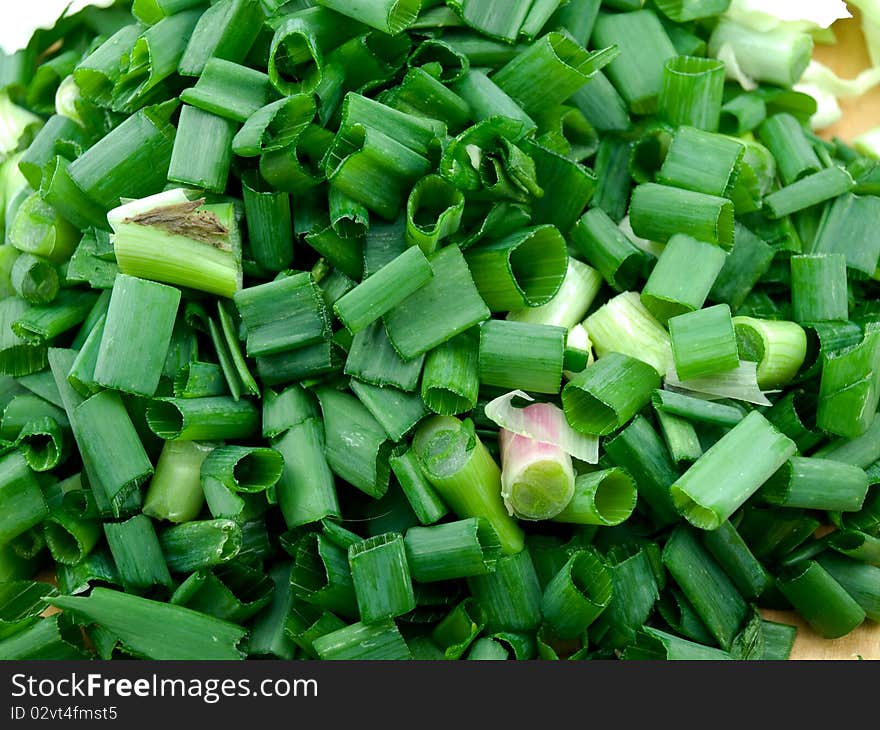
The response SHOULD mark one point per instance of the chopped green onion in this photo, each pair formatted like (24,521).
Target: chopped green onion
(692,92)
(356,446)
(100,420)
(134,364)
(605,246)
(452,550)
(381,577)
(379,641)
(680,437)
(657,212)
(858,580)
(451,376)
(226,30)
(606,497)
(814,483)
(137,554)
(703,342)
(175,491)
(712,594)
(200,544)
(275,126)
(818,287)
(537,478)
(624,325)
(192,419)
(744,266)
(433,212)
(23,503)
(186,634)
(397,411)
(425,502)
(270,230)
(785,138)
(849,390)
(283,314)
(373,359)
(446,306)
(734,556)
(777,56)
(720,481)
(820,599)
(510,595)
(808,191)
(637,72)
(521,355)
(229,90)
(34,279)
(577,595)
(778,347)
(607,394)
(171,239)
(639,451)
(684,275)
(524,269)
(459,467)
(384,290)
(848,228)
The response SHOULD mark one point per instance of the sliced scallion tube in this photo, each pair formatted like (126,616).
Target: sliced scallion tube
(175,491)
(808,191)
(692,92)
(682,278)
(363,642)
(607,394)
(34,279)
(605,246)
(381,577)
(383,290)
(134,364)
(397,411)
(510,595)
(702,161)
(848,228)
(186,634)
(644,48)
(193,419)
(814,483)
(433,212)
(451,376)
(24,506)
(818,287)
(200,544)
(137,554)
(521,355)
(706,497)
(820,599)
(849,391)
(639,450)
(424,500)
(459,467)
(577,595)
(569,305)
(606,497)
(734,556)
(859,580)
(778,347)
(446,306)
(657,212)
(373,359)
(703,342)
(624,325)
(524,269)
(226,30)
(356,446)
(537,478)
(283,314)
(714,597)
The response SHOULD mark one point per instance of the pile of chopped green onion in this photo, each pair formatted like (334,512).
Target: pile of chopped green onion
(388,329)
